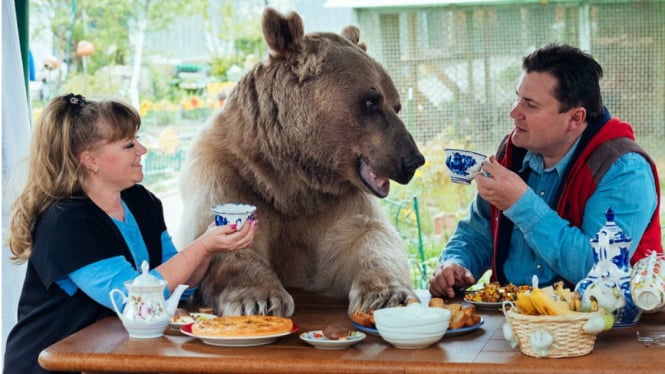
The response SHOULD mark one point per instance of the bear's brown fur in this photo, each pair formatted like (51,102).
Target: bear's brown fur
(310,137)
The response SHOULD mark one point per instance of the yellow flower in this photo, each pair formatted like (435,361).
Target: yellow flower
(145,107)
(36,113)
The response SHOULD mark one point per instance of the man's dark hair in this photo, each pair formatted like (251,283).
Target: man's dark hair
(577,73)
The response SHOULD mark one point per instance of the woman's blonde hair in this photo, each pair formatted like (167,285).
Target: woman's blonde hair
(67,126)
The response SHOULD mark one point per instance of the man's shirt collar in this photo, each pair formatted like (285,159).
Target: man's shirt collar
(535,161)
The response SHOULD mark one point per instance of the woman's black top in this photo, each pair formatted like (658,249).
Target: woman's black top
(70,234)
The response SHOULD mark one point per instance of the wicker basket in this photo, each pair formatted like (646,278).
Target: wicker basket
(568,337)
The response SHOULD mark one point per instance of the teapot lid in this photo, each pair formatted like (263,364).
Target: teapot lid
(613,230)
(146,279)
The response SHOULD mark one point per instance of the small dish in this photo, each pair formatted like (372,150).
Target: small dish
(179,322)
(367,330)
(318,340)
(241,341)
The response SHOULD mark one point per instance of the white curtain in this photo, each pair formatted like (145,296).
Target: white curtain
(16,132)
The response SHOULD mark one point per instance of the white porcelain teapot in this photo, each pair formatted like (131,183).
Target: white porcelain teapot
(608,281)
(146,313)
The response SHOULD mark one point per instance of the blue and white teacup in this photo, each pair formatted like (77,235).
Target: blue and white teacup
(233,213)
(463,165)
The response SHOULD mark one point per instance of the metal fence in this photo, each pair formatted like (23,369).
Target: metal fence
(457,66)
(157,164)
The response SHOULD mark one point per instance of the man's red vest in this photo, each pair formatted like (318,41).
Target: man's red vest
(612,140)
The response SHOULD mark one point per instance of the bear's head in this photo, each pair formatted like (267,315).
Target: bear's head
(325,115)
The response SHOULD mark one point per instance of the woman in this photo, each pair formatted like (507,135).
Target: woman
(85,225)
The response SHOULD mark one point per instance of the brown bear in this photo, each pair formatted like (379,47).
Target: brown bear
(310,137)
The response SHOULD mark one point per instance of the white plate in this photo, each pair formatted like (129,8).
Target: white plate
(317,339)
(241,341)
(484,305)
(463,330)
(194,317)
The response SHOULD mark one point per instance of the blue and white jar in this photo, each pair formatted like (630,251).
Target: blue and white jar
(608,280)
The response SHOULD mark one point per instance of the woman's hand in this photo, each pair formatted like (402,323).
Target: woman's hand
(226,238)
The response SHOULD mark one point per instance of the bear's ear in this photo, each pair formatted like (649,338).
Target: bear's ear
(353,34)
(284,35)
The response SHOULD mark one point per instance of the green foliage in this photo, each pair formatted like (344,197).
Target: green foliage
(244,17)
(108,24)
(97,85)
(441,202)
(220,65)
(431,183)
(160,118)
(161,84)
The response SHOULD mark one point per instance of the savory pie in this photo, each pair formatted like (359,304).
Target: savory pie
(241,326)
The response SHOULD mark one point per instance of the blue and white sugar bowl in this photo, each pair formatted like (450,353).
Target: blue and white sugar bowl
(608,281)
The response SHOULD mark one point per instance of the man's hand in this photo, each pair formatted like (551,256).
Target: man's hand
(498,185)
(447,276)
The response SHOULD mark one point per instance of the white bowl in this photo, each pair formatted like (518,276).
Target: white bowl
(412,343)
(412,315)
(411,332)
(413,326)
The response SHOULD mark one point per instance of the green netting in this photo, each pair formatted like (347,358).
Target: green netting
(457,66)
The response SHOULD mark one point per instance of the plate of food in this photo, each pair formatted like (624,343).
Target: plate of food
(463,330)
(487,305)
(492,295)
(463,318)
(324,339)
(240,331)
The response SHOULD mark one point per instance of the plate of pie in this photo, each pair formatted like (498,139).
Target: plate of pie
(240,331)
(319,340)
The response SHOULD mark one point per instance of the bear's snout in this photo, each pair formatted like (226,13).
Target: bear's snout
(409,165)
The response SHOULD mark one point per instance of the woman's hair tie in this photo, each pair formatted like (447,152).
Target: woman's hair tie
(74,102)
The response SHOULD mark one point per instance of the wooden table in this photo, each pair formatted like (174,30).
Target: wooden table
(106,347)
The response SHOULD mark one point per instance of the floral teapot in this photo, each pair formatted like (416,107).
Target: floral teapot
(608,281)
(146,313)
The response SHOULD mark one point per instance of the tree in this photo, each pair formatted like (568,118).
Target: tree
(117,28)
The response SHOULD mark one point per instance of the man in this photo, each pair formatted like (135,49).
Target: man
(545,193)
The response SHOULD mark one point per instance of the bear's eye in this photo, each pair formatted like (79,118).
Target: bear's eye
(371,103)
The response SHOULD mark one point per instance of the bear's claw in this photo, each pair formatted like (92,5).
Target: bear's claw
(269,304)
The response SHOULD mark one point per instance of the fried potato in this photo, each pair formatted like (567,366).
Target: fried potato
(363,319)
(472,320)
(457,320)
(460,316)
(455,307)
(436,302)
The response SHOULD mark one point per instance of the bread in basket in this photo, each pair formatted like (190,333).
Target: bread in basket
(552,336)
